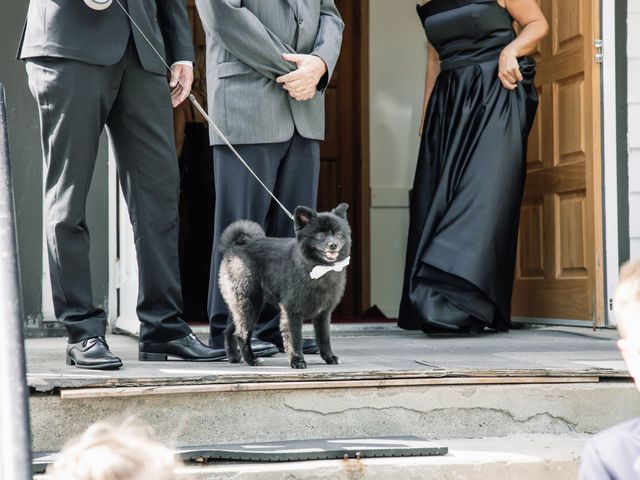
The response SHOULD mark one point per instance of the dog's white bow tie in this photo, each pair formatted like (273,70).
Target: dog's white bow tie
(320,270)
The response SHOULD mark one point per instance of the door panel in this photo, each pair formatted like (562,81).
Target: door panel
(340,153)
(559,269)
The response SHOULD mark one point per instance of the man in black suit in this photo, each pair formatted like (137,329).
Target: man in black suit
(615,453)
(89,69)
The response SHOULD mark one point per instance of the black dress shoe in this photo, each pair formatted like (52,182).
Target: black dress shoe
(309,346)
(187,348)
(260,348)
(263,349)
(92,353)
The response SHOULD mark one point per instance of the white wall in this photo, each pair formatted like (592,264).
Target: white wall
(633,49)
(397,68)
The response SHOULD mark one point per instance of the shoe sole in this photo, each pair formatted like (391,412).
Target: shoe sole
(163,357)
(104,366)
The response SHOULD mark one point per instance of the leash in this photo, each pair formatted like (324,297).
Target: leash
(206,116)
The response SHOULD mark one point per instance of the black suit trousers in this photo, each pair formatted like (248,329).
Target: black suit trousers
(76,101)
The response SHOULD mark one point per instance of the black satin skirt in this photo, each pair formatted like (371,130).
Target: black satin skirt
(465,201)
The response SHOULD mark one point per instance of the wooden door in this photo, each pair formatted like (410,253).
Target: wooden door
(559,271)
(341,153)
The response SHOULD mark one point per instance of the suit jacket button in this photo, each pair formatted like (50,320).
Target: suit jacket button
(300,22)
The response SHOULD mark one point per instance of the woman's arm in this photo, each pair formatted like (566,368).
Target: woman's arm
(534,27)
(433,69)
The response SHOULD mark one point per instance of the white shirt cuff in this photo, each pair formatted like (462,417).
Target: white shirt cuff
(182,62)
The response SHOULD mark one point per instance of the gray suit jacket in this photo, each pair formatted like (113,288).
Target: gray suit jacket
(70,29)
(245,43)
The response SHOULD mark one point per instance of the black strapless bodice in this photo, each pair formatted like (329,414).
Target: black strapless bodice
(466,32)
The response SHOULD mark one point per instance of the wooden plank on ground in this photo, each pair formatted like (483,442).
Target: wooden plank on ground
(117,392)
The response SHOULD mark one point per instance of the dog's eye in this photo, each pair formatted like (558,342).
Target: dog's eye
(320,236)
(340,235)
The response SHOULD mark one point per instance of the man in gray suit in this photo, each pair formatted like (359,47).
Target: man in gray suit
(268,64)
(89,69)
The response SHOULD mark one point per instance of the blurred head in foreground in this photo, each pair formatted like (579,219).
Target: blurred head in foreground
(114,452)
(626,306)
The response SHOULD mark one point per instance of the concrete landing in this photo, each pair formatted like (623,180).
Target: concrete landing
(549,381)
(366,352)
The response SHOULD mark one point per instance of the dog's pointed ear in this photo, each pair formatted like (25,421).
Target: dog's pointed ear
(303,215)
(341,210)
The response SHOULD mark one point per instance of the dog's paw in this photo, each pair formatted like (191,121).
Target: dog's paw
(235,359)
(331,359)
(254,362)
(298,363)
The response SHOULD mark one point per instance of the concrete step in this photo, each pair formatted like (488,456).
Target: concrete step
(516,406)
(235,413)
(515,457)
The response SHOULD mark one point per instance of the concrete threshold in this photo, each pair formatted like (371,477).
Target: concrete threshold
(376,355)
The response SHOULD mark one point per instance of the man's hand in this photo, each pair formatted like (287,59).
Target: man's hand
(181,80)
(303,82)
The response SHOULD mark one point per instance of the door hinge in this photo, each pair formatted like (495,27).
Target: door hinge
(599,44)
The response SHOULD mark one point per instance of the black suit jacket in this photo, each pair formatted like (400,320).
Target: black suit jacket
(613,454)
(70,29)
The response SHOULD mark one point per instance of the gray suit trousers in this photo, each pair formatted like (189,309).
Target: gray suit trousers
(76,101)
(291,170)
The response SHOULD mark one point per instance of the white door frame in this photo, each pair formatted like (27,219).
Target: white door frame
(123,267)
(609,156)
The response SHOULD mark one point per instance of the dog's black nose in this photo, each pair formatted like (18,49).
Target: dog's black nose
(333,246)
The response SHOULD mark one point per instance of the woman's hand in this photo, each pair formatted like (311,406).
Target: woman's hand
(534,27)
(509,70)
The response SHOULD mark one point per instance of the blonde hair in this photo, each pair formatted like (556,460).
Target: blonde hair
(114,452)
(626,302)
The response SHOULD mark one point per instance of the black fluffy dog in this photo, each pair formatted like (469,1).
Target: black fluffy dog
(305,276)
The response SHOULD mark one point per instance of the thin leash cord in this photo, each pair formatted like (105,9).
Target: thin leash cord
(206,116)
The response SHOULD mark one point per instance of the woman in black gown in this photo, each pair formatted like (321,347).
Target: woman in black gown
(470,175)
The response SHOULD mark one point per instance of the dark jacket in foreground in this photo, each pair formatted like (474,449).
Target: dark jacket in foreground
(613,454)
(69,29)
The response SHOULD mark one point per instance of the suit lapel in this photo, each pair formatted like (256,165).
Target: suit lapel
(294,6)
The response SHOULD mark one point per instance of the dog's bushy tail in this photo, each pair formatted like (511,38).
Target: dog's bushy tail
(240,233)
